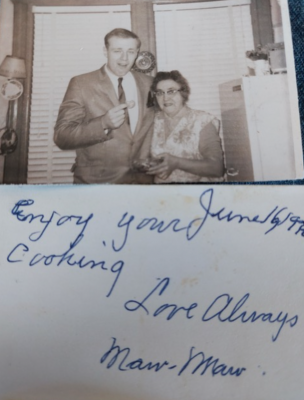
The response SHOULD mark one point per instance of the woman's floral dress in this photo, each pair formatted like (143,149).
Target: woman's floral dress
(180,136)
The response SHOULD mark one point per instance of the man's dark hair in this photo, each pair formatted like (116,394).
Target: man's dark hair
(121,33)
(175,76)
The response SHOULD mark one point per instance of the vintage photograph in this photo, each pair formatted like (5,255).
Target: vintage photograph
(147,92)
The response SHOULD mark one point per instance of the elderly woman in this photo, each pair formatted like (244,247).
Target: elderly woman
(185,140)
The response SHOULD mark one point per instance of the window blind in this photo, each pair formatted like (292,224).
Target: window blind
(207,43)
(68,41)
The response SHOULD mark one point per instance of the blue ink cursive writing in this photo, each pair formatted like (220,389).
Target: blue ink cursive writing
(22,252)
(223,308)
(121,358)
(275,218)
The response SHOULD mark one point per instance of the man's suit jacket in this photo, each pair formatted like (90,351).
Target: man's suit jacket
(100,157)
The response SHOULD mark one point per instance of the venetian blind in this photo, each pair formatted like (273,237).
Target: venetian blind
(68,41)
(206,42)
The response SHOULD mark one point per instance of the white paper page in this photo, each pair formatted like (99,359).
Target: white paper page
(150,293)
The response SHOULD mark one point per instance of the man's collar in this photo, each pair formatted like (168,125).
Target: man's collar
(114,77)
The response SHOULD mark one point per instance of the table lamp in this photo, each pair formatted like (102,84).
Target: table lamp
(11,90)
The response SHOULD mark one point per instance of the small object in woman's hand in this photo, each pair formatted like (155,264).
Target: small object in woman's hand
(131,104)
(143,165)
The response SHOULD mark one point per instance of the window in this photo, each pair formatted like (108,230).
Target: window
(206,42)
(68,41)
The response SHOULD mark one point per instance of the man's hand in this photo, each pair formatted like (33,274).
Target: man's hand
(115,117)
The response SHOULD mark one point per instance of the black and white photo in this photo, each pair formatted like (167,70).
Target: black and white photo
(147,92)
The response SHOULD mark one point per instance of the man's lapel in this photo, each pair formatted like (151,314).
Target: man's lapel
(107,91)
(107,88)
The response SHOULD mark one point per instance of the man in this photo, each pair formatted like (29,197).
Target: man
(104,116)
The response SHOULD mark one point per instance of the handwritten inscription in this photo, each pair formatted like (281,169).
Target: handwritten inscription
(22,251)
(277,217)
(223,308)
(197,362)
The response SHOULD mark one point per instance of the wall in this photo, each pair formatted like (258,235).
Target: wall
(277,21)
(6,47)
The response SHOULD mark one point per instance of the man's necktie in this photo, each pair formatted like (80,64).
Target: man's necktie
(122,98)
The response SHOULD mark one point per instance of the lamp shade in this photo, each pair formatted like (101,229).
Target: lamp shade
(13,67)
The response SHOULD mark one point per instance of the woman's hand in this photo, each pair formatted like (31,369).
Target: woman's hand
(166,167)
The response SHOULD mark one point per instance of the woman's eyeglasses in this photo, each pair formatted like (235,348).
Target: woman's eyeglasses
(170,92)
